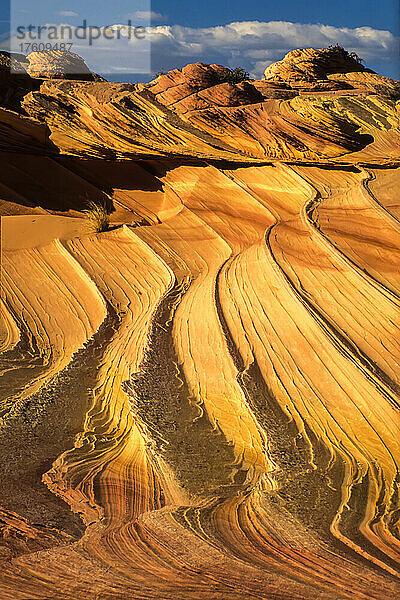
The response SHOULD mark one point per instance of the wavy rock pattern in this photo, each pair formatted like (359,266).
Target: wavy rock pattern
(203,401)
(119,121)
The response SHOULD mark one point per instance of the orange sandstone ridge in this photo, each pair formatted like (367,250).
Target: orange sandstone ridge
(200,402)
(190,113)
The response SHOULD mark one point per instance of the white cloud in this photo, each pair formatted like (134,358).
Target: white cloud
(147,15)
(68,13)
(254,44)
(108,50)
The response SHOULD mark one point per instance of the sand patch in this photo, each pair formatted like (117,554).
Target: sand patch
(30,231)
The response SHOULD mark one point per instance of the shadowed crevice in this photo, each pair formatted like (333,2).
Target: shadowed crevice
(42,427)
(182,434)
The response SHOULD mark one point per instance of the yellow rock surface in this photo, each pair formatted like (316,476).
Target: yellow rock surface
(201,402)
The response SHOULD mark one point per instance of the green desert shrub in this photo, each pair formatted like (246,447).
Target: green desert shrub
(97,216)
(355,56)
(235,76)
(338,48)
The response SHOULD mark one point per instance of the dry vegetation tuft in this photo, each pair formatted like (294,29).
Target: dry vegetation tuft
(98,217)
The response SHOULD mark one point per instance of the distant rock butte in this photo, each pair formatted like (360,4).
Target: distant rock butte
(309,65)
(59,64)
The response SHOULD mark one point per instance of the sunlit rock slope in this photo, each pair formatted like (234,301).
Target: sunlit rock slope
(201,402)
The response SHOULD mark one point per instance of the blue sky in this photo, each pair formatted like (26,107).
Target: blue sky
(379,14)
(207,25)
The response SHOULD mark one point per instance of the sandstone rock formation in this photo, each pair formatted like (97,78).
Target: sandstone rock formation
(59,64)
(11,61)
(190,113)
(200,86)
(201,403)
(310,65)
(15,82)
(328,69)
